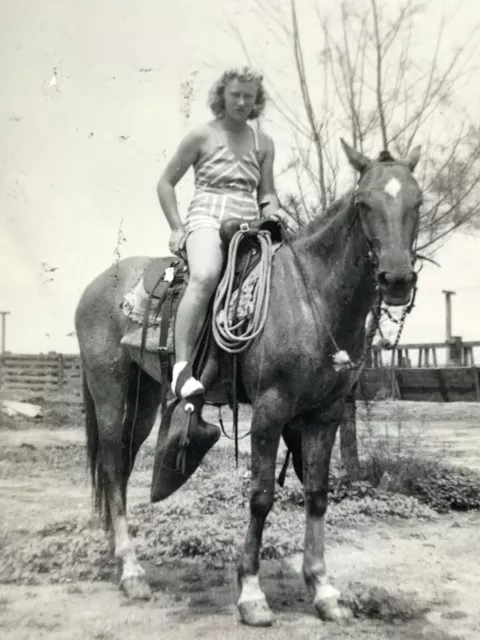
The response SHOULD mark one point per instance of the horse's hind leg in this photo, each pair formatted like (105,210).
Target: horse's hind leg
(318,437)
(267,423)
(143,399)
(108,384)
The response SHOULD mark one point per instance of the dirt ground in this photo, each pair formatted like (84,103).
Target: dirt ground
(427,568)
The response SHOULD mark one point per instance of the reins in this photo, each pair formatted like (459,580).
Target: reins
(341,359)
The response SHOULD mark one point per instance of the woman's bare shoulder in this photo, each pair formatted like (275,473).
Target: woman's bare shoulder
(197,136)
(265,143)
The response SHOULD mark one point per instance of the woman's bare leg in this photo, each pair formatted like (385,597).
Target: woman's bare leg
(205,261)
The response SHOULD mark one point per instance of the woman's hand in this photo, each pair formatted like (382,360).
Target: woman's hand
(177,240)
(275,215)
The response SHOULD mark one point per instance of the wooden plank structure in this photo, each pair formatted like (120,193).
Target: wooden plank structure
(419,378)
(423,378)
(458,353)
(41,374)
(434,384)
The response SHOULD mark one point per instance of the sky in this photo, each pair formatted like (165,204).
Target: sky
(92,106)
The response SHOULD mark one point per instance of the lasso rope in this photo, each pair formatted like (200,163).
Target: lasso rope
(237,336)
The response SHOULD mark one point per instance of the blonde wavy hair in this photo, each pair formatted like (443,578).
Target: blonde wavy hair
(216,96)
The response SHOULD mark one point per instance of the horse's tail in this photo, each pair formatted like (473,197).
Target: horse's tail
(94,458)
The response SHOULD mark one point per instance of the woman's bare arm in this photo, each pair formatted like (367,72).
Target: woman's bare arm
(266,189)
(184,157)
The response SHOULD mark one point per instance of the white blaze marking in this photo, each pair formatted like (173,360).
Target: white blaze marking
(392,187)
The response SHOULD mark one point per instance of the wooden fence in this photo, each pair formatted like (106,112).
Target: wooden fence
(57,374)
(429,372)
(30,375)
(431,384)
(454,353)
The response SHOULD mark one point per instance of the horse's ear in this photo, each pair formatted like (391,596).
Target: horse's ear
(414,157)
(356,159)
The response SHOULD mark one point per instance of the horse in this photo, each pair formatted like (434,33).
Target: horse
(324,282)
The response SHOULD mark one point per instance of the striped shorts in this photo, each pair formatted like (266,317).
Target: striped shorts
(208,209)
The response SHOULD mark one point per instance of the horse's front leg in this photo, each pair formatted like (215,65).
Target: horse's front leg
(267,422)
(318,437)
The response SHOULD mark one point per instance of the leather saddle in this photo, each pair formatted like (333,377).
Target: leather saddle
(158,273)
(248,255)
(230,227)
(159,270)
(184,437)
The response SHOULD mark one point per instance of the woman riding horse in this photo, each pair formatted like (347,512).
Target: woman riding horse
(233,165)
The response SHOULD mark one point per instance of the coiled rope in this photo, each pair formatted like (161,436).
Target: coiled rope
(231,335)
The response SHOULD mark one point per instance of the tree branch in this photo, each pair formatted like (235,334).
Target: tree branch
(299,61)
(379,59)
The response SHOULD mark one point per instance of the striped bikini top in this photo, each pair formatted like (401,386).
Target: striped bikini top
(222,171)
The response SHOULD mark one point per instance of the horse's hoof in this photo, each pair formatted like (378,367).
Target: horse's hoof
(329,610)
(255,613)
(136,588)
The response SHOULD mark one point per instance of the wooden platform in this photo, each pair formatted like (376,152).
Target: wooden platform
(432,384)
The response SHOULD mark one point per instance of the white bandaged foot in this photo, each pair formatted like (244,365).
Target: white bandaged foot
(191,386)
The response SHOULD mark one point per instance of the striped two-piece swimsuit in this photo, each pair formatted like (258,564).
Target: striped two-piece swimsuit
(225,187)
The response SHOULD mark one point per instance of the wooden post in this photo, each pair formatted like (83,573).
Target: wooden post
(61,372)
(468,356)
(455,348)
(4,328)
(448,314)
(476,383)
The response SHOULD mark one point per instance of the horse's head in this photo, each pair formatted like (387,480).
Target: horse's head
(388,200)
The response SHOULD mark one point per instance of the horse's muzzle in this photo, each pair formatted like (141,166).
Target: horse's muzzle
(396,286)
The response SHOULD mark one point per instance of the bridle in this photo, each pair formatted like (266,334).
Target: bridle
(378,309)
(357,204)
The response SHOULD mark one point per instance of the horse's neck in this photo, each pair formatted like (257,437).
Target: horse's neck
(332,255)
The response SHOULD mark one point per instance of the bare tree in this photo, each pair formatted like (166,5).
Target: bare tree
(371,81)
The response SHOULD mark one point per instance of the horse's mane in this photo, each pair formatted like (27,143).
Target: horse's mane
(385,156)
(337,205)
(330,222)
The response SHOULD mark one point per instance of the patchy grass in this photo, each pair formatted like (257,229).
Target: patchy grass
(446,488)
(12,423)
(371,601)
(396,457)
(417,412)
(59,411)
(205,519)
